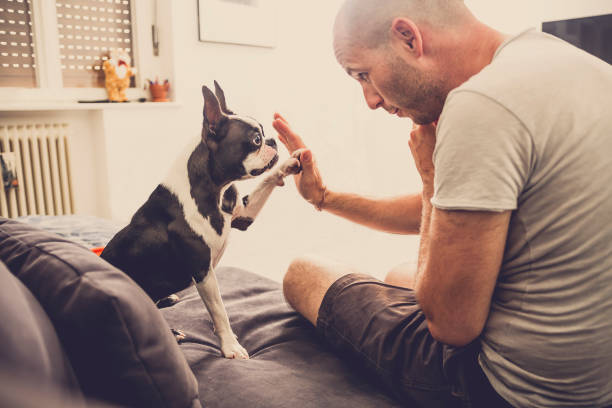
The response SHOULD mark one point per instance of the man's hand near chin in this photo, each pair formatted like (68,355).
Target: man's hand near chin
(422,145)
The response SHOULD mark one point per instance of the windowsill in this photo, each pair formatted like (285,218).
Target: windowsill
(72,106)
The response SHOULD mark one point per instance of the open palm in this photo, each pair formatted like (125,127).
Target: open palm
(308,182)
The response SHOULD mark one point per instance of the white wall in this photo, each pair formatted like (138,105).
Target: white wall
(301,79)
(357,150)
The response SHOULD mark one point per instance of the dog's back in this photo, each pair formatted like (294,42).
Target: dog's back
(158,249)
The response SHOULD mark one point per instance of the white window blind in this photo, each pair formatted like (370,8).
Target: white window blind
(17,63)
(88,30)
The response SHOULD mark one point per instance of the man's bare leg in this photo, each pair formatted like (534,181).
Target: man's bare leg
(306,282)
(402,275)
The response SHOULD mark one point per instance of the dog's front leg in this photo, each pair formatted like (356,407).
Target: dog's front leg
(245,214)
(209,292)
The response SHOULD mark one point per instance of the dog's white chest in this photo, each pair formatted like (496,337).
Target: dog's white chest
(177,182)
(203,228)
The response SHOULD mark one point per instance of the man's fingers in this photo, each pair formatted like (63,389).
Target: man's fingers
(280,117)
(283,139)
(305,157)
(306,160)
(282,133)
(281,127)
(289,138)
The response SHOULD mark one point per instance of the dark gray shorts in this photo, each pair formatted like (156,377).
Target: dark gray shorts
(382,328)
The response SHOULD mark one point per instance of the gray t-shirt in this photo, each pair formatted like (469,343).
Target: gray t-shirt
(532,133)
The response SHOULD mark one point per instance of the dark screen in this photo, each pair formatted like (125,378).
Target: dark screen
(592,34)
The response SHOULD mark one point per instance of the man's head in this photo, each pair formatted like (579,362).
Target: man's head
(403,52)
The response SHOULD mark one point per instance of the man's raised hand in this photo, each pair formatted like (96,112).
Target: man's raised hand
(308,182)
(287,136)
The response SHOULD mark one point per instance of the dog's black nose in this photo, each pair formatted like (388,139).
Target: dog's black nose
(271,143)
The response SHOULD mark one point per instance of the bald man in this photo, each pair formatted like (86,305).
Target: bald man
(512,297)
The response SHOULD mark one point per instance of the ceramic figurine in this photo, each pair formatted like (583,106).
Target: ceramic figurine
(118,72)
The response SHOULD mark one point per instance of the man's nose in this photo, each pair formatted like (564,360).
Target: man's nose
(373,99)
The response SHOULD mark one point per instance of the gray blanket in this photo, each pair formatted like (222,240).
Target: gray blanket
(289,366)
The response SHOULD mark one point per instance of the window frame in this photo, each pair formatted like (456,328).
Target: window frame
(48,61)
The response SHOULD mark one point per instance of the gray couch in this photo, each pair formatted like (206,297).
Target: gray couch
(78,332)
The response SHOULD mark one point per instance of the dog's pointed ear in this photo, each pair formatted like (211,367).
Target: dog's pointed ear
(221,97)
(213,115)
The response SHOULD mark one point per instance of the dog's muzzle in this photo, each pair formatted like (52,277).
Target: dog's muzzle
(270,151)
(272,144)
(268,166)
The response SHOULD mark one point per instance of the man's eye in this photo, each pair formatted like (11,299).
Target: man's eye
(363,76)
(257,140)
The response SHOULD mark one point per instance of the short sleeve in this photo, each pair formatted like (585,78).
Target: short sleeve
(483,155)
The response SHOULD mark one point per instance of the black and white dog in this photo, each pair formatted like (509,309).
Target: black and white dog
(181,231)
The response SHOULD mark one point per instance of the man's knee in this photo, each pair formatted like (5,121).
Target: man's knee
(402,275)
(306,282)
(293,281)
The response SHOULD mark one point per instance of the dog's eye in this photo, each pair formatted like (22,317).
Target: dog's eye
(257,140)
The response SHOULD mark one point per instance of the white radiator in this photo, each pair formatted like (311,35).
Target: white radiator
(38,155)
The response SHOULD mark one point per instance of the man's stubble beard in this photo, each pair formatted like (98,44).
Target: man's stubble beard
(415,92)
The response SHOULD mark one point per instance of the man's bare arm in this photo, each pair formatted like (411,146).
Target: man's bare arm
(459,262)
(460,256)
(400,215)
(397,215)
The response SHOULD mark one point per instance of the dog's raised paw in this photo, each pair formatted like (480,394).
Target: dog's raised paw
(298,153)
(293,166)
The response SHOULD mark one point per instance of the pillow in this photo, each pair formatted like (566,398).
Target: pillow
(118,343)
(31,350)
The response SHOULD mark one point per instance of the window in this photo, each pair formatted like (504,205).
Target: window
(88,30)
(16,44)
(50,45)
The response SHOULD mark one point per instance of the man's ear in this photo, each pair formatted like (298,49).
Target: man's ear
(408,35)
(212,113)
(221,97)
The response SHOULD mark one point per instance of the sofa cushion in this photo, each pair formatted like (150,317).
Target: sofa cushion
(118,343)
(30,346)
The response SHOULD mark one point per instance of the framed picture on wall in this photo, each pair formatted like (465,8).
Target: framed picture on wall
(248,22)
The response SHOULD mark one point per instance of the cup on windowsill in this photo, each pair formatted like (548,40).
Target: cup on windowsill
(159,91)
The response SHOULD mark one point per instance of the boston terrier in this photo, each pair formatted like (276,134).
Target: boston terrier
(180,232)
